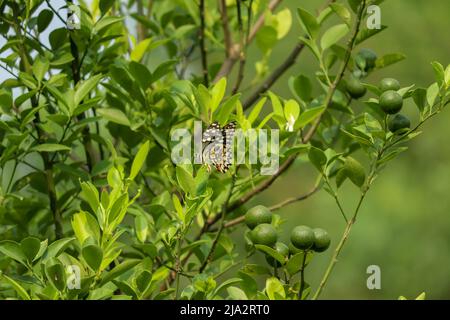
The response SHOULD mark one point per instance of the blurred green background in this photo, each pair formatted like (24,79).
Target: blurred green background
(404,224)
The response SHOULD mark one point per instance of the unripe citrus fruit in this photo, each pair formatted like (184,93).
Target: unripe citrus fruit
(355,88)
(258,215)
(264,234)
(321,240)
(302,237)
(370,57)
(391,102)
(282,249)
(399,122)
(389,84)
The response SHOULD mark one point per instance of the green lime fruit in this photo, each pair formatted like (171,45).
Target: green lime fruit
(258,215)
(399,122)
(302,237)
(321,240)
(264,234)
(391,102)
(355,88)
(282,249)
(369,56)
(389,84)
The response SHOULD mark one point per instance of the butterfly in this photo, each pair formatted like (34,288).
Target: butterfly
(218,148)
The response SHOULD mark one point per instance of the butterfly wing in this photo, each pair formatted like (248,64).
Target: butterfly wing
(219,149)
(228,132)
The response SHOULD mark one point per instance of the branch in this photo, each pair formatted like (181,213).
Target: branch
(275,207)
(226,27)
(260,22)
(234,52)
(340,74)
(275,75)
(242,47)
(202,43)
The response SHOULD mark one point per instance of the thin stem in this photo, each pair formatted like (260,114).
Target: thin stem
(226,27)
(203,53)
(222,225)
(302,276)
(338,249)
(13,173)
(340,74)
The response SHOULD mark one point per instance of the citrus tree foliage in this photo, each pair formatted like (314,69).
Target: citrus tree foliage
(92,206)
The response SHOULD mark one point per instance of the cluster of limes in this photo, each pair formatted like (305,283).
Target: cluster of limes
(259,221)
(390,101)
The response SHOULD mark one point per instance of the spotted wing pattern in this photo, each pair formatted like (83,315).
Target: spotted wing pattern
(219,145)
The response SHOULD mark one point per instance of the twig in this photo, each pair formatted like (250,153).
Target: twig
(202,43)
(234,50)
(275,75)
(222,225)
(275,207)
(243,44)
(340,74)
(225,26)
(302,276)
(273,4)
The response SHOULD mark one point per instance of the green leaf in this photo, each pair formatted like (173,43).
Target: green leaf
(432,93)
(421,296)
(223,113)
(439,72)
(256,110)
(355,171)
(236,293)
(40,67)
(342,12)
(118,270)
(141,74)
(139,160)
(333,35)
(17,287)
(57,247)
(93,255)
(317,158)
(284,22)
(85,87)
(309,115)
(295,262)
(274,289)
(85,226)
(271,252)
(291,110)
(419,96)
(301,87)
(13,250)
(44,19)
(217,93)
(308,22)
(57,37)
(138,52)
(106,22)
(30,247)
(50,147)
(266,38)
(89,193)
(56,274)
(447,76)
(185,180)
(114,115)
(389,59)
(105,5)
(141,227)
(365,34)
